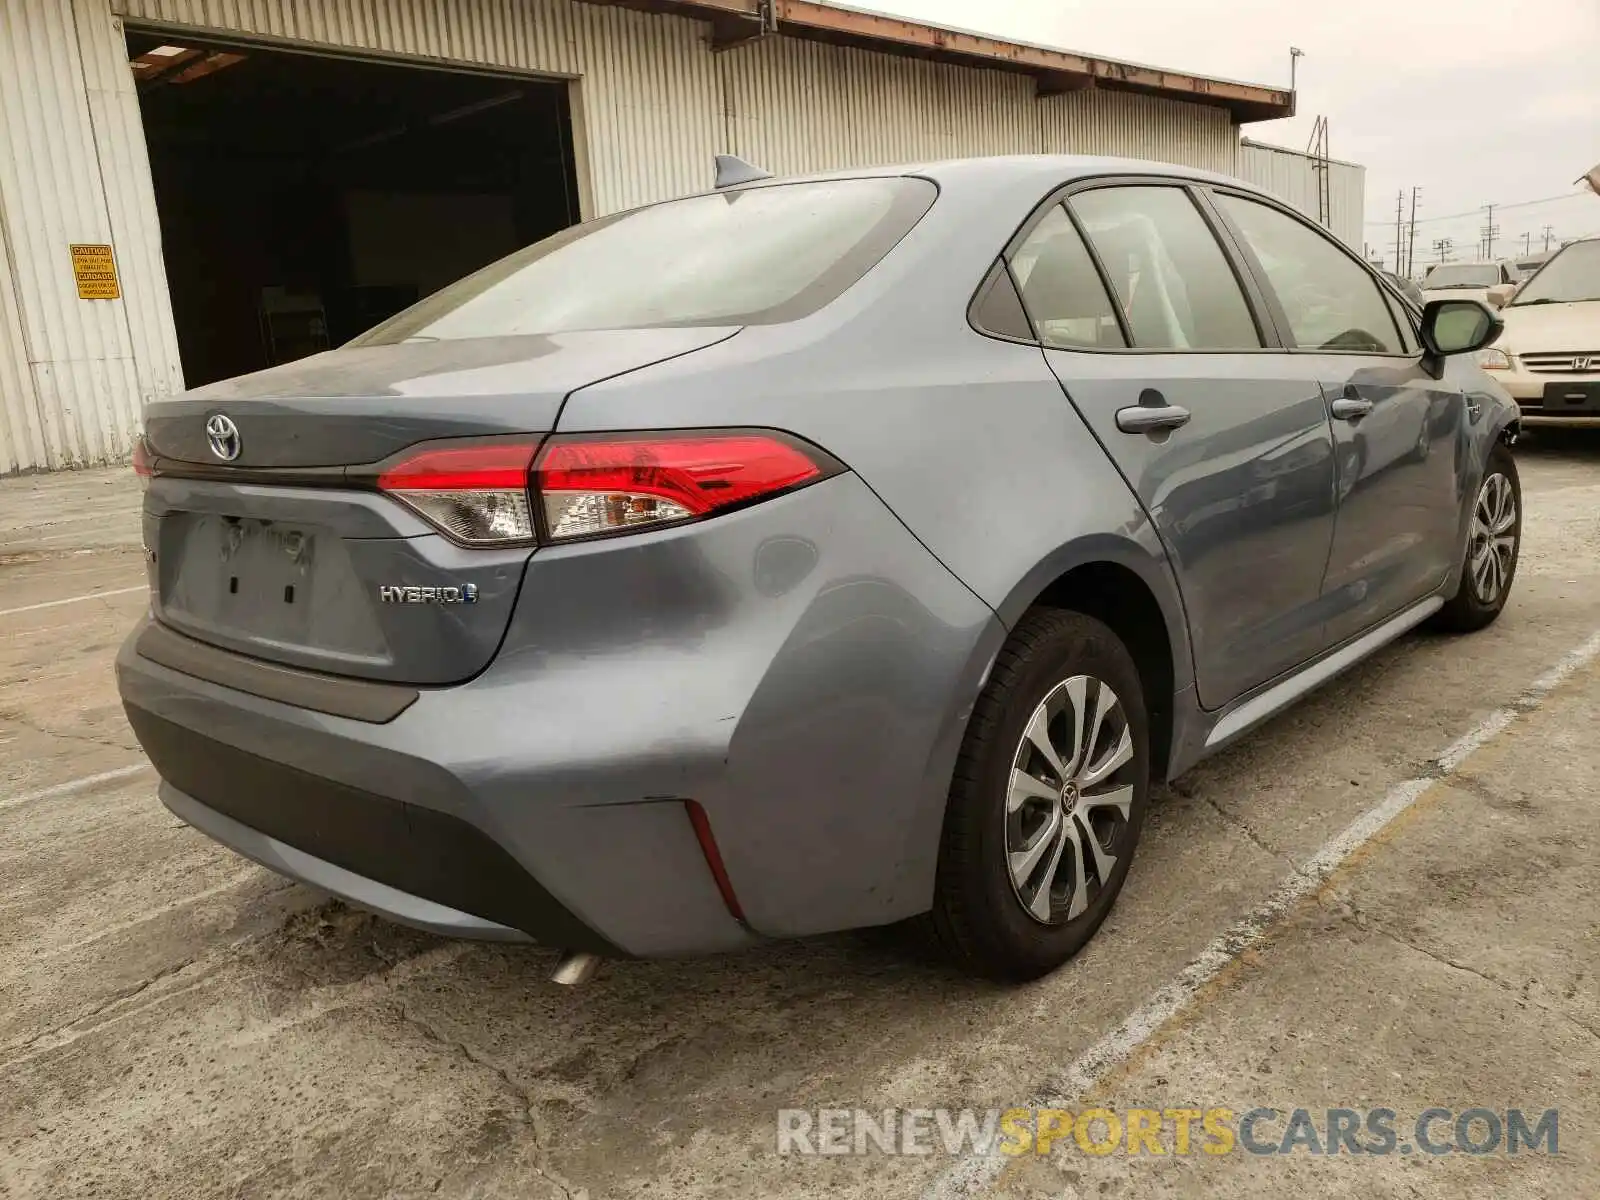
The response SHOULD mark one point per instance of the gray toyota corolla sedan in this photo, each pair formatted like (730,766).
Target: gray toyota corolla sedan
(806,555)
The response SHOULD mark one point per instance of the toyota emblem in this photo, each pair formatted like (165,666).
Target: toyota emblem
(222,435)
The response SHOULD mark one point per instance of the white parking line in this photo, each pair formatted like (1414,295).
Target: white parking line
(72,785)
(11,612)
(975,1172)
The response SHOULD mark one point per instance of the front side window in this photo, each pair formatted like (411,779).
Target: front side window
(1170,275)
(1571,277)
(741,257)
(1330,300)
(1061,290)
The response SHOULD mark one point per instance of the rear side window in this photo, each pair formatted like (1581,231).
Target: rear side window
(741,257)
(1061,289)
(1330,300)
(1170,274)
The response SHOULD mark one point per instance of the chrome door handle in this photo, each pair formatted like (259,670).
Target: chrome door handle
(1151,418)
(1351,408)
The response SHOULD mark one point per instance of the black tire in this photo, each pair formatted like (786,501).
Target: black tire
(978,917)
(1469,609)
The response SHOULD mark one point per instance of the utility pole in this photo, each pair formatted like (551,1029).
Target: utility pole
(1527,244)
(1442,247)
(1399,224)
(1549,232)
(1490,230)
(1411,240)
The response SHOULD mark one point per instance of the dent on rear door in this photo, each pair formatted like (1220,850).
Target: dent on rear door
(1242,496)
(1396,536)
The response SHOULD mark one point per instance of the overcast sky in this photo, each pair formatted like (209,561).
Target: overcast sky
(1472,100)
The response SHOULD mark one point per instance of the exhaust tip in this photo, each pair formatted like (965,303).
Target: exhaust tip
(575,968)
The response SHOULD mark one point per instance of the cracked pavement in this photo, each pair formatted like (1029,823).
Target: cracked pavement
(176,1022)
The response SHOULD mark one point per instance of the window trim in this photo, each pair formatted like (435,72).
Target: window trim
(1254,301)
(1020,239)
(1399,306)
(998,270)
(1279,315)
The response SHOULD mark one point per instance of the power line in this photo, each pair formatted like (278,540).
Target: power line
(1478,211)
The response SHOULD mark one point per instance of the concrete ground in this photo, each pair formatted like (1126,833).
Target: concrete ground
(175,1021)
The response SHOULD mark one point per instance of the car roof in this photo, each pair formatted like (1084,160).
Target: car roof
(1024,169)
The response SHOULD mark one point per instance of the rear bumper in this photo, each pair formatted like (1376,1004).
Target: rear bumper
(363,890)
(342,805)
(801,669)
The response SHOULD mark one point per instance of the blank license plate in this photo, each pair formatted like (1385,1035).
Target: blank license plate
(247,575)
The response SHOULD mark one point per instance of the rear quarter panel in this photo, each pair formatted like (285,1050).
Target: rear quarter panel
(972,446)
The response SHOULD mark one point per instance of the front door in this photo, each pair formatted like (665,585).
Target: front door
(1227,446)
(1396,429)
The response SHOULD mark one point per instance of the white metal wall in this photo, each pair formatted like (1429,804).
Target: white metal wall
(651,103)
(1135,126)
(76,373)
(1291,176)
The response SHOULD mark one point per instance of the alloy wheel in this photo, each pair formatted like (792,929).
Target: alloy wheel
(1492,552)
(1068,802)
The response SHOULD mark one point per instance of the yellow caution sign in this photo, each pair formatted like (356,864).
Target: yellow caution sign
(95,269)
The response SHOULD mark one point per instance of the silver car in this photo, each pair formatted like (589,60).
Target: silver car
(806,555)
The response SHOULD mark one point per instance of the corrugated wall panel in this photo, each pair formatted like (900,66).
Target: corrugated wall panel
(1292,177)
(1131,125)
(1347,195)
(21,436)
(795,106)
(80,353)
(650,105)
(131,207)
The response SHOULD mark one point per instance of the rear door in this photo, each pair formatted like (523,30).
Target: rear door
(1226,443)
(1396,428)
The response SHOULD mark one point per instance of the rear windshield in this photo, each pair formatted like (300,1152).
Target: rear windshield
(1572,275)
(1464,275)
(742,257)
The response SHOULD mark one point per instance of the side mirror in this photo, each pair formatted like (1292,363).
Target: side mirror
(1458,327)
(1500,293)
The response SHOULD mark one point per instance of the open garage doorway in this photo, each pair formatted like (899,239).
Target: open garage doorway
(304,197)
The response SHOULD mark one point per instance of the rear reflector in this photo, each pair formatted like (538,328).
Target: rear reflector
(476,494)
(708,847)
(605,485)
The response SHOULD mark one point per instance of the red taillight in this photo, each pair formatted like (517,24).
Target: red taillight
(477,494)
(600,485)
(708,847)
(141,461)
(482,493)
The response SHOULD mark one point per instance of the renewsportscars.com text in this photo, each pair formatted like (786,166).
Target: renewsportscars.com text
(1162,1131)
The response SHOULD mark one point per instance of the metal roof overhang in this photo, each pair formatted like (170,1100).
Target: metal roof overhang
(736,21)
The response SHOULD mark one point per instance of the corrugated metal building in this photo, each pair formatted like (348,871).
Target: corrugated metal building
(1295,177)
(640,97)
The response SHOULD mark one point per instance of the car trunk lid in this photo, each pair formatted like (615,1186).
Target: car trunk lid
(287,552)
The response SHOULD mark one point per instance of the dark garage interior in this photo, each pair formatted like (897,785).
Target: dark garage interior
(305,197)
